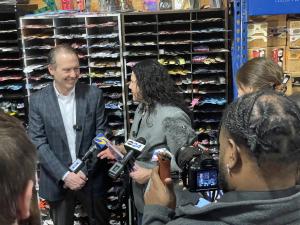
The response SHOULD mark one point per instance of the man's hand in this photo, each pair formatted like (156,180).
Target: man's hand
(75,181)
(159,193)
(140,174)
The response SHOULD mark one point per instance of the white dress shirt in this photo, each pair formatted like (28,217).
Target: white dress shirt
(67,105)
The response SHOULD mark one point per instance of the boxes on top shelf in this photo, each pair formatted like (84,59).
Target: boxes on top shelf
(257,34)
(277,27)
(293,33)
(278,55)
(292,60)
(256,52)
(289,89)
(294,74)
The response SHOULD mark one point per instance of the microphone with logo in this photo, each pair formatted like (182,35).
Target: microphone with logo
(134,149)
(99,143)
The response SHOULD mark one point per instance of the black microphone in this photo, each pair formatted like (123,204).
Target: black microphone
(98,144)
(134,149)
(77,127)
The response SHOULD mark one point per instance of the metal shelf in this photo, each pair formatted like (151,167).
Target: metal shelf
(242,9)
(273,7)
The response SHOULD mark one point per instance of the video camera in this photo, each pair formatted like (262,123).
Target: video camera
(199,168)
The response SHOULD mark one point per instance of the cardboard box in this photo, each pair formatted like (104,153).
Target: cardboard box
(257,42)
(296,89)
(289,88)
(294,41)
(257,35)
(277,30)
(293,60)
(293,27)
(256,52)
(258,29)
(294,74)
(293,38)
(278,55)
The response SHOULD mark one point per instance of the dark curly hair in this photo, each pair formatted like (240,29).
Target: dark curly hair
(267,124)
(157,86)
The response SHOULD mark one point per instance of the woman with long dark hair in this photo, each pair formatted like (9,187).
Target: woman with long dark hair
(162,118)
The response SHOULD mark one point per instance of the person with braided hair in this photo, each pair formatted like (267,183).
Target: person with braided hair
(259,154)
(258,74)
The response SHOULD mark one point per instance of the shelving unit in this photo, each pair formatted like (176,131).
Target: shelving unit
(96,37)
(242,10)
(12,88)
(193,46)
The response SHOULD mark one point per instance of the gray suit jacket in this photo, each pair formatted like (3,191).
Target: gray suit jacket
(167,125)
(47,132)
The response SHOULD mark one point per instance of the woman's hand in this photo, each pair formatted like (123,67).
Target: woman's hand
(106,154)
(140,175)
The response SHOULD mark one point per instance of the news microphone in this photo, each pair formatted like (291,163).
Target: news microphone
(102,141)
(134,148)
(79,163)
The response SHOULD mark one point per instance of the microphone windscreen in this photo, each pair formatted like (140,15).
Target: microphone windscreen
(100,140)
(141,140)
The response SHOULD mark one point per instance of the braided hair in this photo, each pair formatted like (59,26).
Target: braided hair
(267,124)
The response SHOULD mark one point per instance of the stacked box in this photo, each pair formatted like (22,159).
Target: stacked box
(257,35)
(278,55)
(293,60)
(277,30)
(294,33)
(257,52)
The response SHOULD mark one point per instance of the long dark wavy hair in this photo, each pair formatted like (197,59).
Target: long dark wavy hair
(156,86)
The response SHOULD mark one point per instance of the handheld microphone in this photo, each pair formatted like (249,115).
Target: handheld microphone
(134,148)
(102,141)
(79,163)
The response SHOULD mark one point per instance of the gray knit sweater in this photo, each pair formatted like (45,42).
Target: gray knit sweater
(167,125)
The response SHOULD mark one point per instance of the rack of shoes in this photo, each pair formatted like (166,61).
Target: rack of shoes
(194,47)
(12,85)
(96,38)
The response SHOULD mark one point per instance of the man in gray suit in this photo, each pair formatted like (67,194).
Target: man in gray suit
(64,118)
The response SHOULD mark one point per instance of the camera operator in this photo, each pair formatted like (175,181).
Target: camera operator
(259,153)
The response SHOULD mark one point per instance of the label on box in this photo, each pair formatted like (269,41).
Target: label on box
(257,41)
(256,53)
(293,59)
(277,32)
(257,29)
(294,27)
(278,56)
(294,41)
